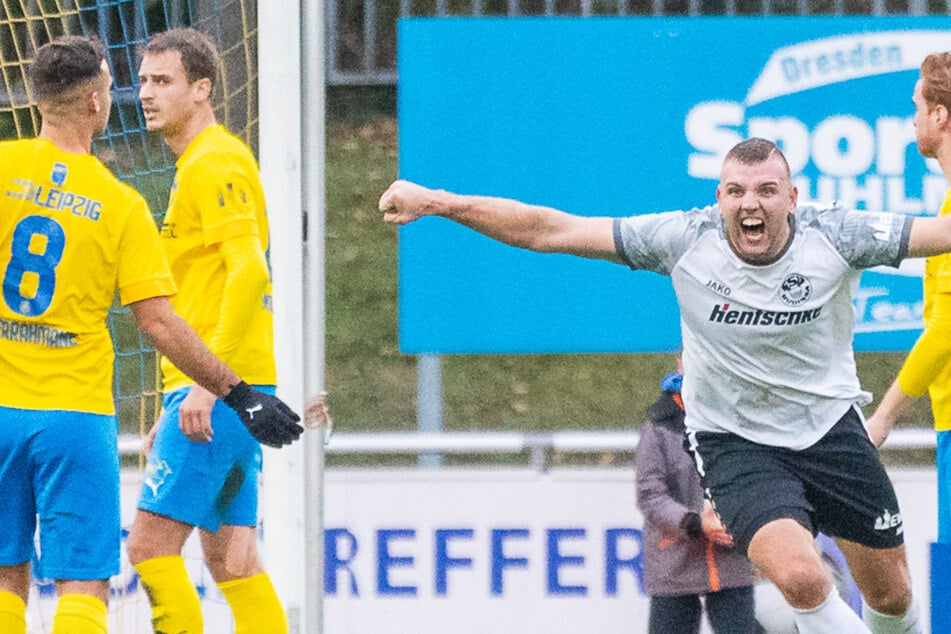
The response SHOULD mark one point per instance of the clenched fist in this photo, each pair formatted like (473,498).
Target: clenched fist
(403,202)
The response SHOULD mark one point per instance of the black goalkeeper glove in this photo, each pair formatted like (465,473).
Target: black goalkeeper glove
(267,417)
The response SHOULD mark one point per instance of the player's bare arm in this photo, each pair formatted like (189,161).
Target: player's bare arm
(532,227)
(930,236)
(269,419)
(176,340)
(894,406)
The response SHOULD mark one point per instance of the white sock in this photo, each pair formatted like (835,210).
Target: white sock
(880,623)
(832,615)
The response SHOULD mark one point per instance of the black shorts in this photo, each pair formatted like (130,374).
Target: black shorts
(837,486)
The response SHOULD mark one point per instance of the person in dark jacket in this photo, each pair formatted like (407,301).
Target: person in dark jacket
(688,555)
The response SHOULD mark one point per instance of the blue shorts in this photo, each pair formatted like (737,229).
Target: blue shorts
(61,468)
(943,463)
(203,484)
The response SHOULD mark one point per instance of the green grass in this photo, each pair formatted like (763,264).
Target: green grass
(373,386)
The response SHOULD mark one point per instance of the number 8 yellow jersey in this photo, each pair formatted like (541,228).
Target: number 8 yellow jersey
(71,234)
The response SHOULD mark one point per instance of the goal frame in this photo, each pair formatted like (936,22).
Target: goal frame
(291,106)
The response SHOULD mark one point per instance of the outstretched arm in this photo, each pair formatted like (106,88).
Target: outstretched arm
(532,227)
(930,236)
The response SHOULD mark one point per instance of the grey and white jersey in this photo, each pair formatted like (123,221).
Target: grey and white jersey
(767,350)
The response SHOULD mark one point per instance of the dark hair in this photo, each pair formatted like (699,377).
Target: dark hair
(64,64)
(754,151)
(198,52)
(936,80)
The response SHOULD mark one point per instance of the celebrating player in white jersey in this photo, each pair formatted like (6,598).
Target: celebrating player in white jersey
(770,388)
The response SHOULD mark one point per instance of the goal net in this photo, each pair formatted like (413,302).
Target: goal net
(142,161)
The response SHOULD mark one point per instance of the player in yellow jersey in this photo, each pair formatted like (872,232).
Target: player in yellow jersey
(926,370)
(70,235)
(203,467)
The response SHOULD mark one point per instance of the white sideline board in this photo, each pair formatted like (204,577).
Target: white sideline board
(467,550)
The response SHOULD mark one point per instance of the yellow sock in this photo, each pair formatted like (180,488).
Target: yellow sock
(12,613)
(80,614)
(255,605)
(176,608)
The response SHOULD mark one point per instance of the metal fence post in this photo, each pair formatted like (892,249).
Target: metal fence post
(429,403)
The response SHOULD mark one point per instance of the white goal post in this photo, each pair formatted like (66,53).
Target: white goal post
(291,107)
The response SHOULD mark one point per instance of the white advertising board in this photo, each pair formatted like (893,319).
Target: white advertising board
(434,551)
(431,551)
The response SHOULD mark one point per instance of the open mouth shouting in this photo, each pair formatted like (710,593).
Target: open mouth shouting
(753,228)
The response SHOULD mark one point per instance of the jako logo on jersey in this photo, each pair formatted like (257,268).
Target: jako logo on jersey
(887,521)
(795,289)
(722,314)
(719,287)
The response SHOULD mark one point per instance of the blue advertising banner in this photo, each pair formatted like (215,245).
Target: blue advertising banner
(622,116)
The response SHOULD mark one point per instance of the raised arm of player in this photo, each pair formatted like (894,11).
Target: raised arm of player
(930,236)
(532,227)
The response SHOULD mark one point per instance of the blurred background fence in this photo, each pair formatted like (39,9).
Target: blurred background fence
(361,34)
(373,385)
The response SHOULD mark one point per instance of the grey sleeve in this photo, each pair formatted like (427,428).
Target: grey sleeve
(866,238)
(655,242)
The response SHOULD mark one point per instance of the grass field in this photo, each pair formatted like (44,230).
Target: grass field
(372,385)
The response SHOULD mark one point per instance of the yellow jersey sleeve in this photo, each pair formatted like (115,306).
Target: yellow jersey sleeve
(142,272)
(931,353)
(222,191)
(927,367)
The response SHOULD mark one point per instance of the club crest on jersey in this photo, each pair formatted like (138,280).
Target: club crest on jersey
(58,176)
(795,289)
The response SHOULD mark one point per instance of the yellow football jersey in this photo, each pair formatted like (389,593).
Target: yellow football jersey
(926,369)
(70,235)
(216,196)
(938,280)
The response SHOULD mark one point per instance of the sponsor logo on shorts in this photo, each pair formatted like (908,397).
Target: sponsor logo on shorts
(888,521)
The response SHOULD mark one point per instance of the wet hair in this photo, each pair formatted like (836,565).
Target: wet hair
(198,52)
(64,64)
(755,151)
(936,80)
